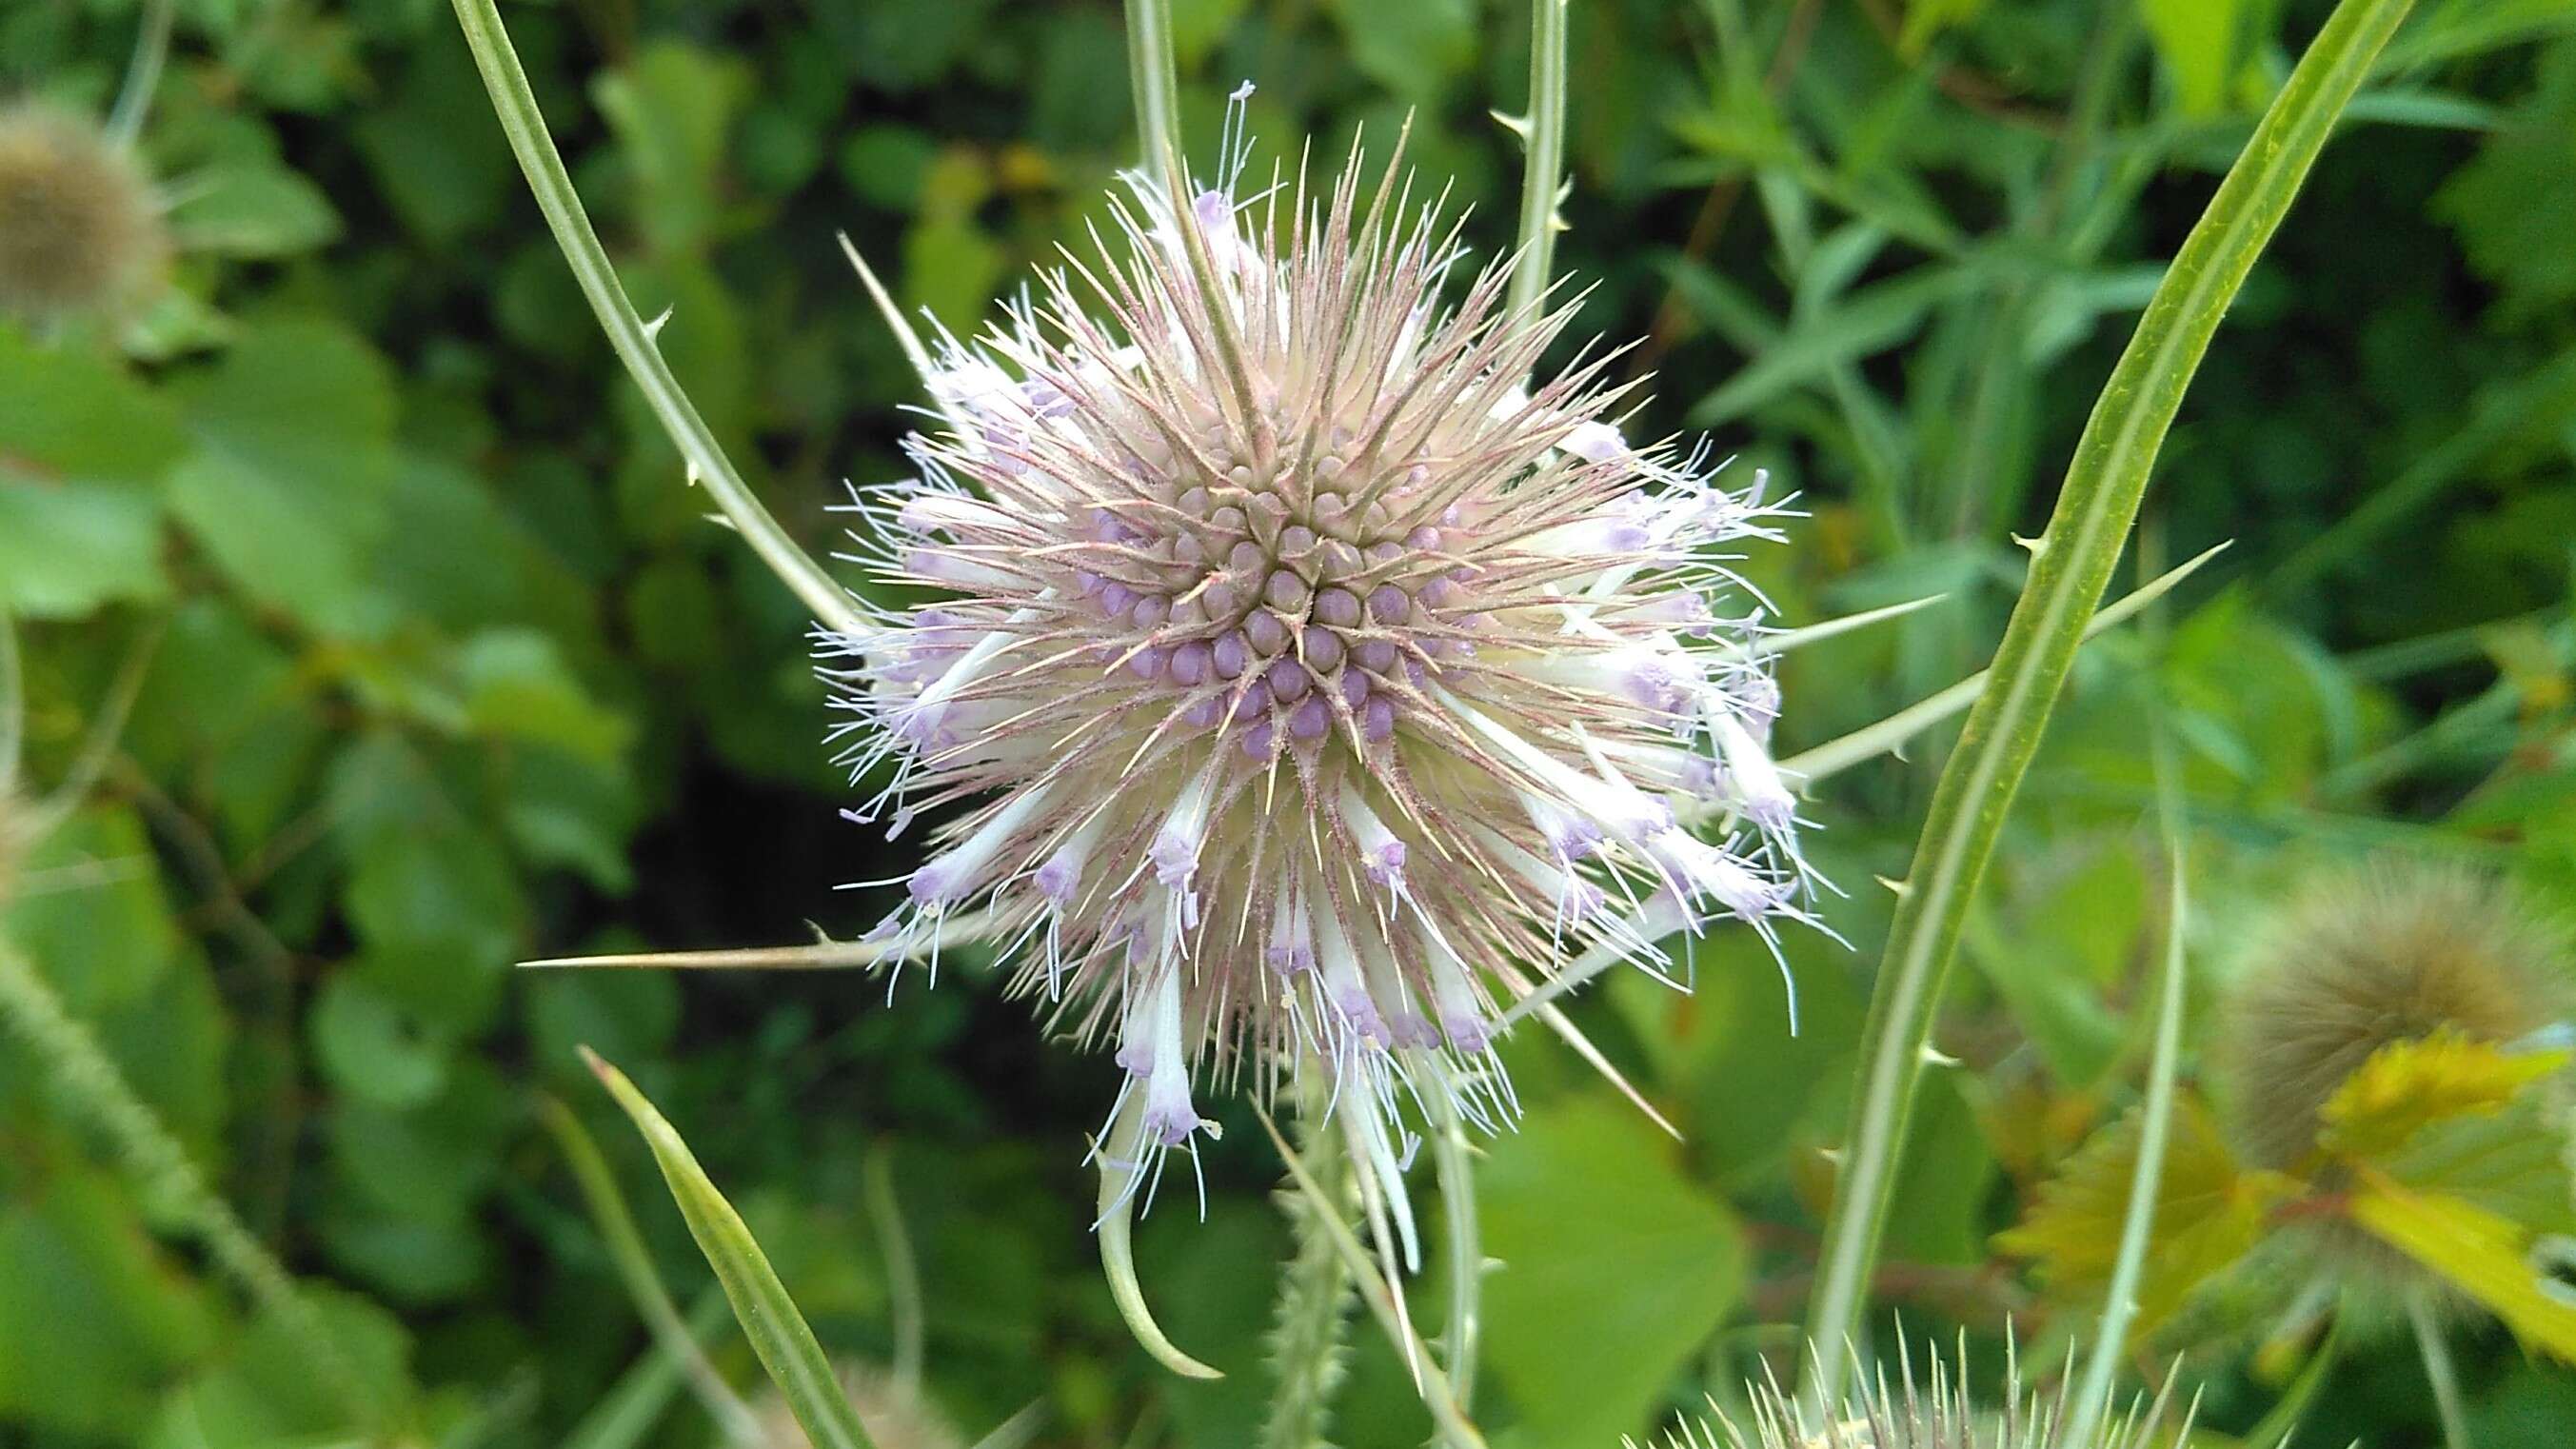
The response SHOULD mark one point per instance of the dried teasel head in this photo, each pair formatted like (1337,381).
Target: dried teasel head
(2364,958)
(1310,687)
(80,229)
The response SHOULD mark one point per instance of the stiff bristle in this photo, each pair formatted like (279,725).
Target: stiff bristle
(2363,958)
(1933,1409)
(80,231)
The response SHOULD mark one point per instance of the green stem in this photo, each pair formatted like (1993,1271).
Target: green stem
(87,1081)
(627,332)
(1153,75)
(1308,1336)
(1455,1163)
(903,1270)
(142,73)
(2120,1306)
(2073,563)
(1544,171)
(2438,1367)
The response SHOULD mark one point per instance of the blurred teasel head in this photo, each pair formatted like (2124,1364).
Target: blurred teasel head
(2365,958)
(80,229)
(1315,688)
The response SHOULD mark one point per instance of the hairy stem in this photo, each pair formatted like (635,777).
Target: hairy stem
(86,1080)
(1310,1324)
(2072,564)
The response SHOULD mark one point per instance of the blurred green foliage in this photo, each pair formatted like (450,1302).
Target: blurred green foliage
(441,668)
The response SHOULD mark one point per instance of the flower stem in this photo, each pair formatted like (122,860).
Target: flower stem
(2072,564)
(627,332)
(88,1082)
(2120,1304)
(2445,1375)
(142,73)
(1310,1324)
(1543,171)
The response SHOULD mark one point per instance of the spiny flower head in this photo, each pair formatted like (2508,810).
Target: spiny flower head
(1308,681)
(80,231)
(2365,958)
(1935,1412)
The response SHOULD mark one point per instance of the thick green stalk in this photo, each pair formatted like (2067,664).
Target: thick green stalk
(1543,172)
(2072,564)
(1310,1323)
(628,333)
(86,1080)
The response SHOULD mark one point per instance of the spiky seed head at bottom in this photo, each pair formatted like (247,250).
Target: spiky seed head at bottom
(80,230)
(1934,1410)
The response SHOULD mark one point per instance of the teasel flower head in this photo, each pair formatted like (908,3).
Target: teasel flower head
(2364,958)
(1932,1411)
(1311,687)
(80,229)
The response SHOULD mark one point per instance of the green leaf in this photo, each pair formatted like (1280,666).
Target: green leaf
(2510,205)
(2489,1257)
(67,548)
(283,544)
(372,1048)
(673,109)
(436,154)
(2409,1086)
(1411,49)
(2196,40)
(254,209)
(93,1313)
(778,1333)
(68,415)
(267,1393)
(1588,1195)
(2210,1211)
(110,939)
(517,686)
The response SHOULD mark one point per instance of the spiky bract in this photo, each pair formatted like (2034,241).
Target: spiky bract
(1308,682)
(2363,958)
(80,231)
(1935,1411)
